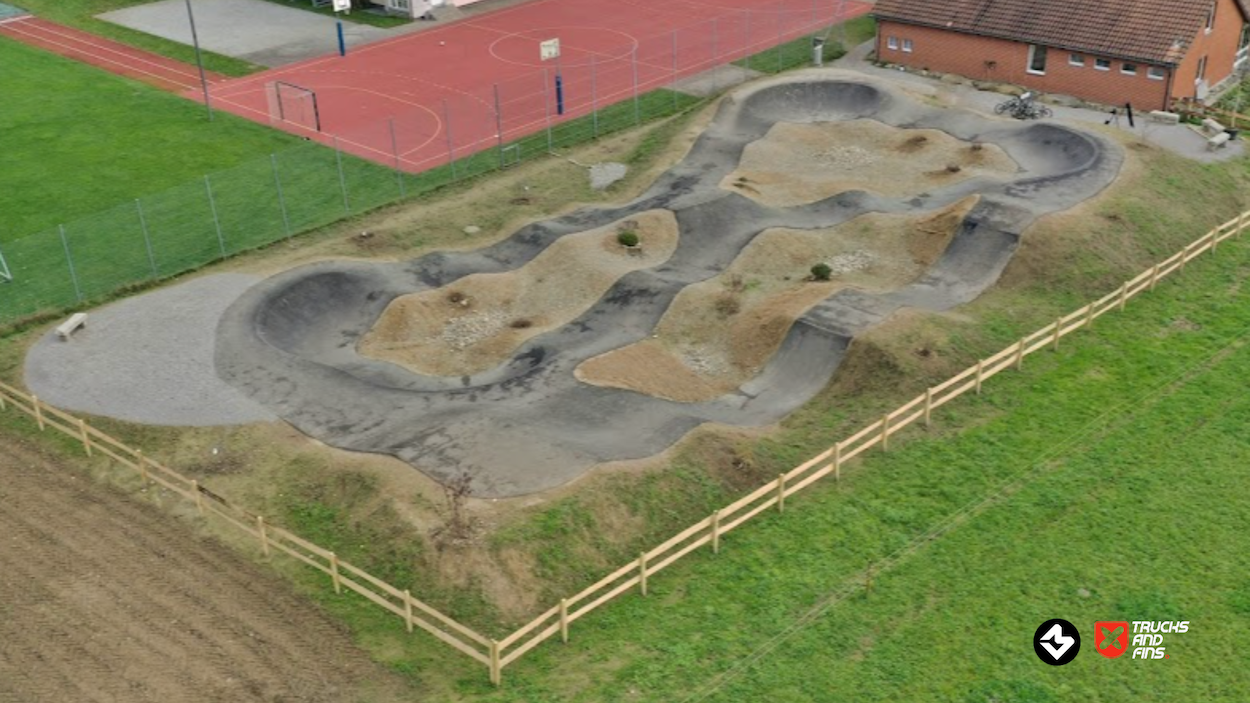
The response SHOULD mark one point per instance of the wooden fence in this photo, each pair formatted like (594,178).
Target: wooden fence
(498,654)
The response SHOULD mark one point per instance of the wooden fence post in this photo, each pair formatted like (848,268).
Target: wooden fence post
(1020,354)
(1215,239)
(1089,315)
(885,432)
(928,407)
(980,374)
(1123,296)
(195,491)
(143,468)
(408,609)
(716,532)
(86,439)
(496,671)
(642,573)
(1241,222)
(334,572)
(781,492)
(264,537)
(1184,256)
(837,462)
(1154,276)
(2,402)
(564,620)
(1058,327)
(34,399)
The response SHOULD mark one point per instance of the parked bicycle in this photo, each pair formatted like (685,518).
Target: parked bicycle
(1023,107)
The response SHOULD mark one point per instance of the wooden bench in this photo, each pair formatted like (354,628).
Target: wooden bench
(70,326)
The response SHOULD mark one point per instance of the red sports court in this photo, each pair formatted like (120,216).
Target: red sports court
(421,99)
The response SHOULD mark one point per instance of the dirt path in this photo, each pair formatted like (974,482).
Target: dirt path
(107,599)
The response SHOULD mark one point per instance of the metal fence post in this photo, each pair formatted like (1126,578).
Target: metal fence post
(69,259)
(399,175)
(674,81)
(547,105)
(338,158)
(748,38)
(779,53)
(147,239)
(633,57)
(277,181)
(715,43)
(451,151)
(594,99)
(212,205)
(499,125)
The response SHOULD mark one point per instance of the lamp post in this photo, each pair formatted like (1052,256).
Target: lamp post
(199,61)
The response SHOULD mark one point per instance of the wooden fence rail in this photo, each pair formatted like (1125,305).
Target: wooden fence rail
(497,654)
(269,537)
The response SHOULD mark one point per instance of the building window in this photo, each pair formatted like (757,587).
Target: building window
(1076,59)
(1128,69)
(892,43)
(1211,18)
(1037,59)
(907,46)
(1202,70)
(1102,64)
(1155,73)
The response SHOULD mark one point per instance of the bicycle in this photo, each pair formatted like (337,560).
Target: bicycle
(1023,107)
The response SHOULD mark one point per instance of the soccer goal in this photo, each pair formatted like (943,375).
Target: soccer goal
(293,103)
(5,275)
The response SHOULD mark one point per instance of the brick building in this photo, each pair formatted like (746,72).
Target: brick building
(1144,52)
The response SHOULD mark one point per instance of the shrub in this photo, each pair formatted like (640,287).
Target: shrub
(627,238)
(727,305)
(821,272)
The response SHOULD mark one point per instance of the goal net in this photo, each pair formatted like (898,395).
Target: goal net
(293,104)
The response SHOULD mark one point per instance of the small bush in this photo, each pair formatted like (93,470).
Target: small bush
(627,238)
(821,272)
(521,324)
(727,305)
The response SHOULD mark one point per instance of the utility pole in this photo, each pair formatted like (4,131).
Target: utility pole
(199,61)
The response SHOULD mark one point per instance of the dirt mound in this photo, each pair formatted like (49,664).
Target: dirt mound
(802,163)
(721,332)
(477,322)
(106,598)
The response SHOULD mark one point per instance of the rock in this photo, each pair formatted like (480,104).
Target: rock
(605,174)
(1084,593)
(472,229)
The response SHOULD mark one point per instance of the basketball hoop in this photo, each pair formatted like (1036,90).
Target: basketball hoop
(549,50)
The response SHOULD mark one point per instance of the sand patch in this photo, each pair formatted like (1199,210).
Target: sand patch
(796,164)
(479,321)
(719,333)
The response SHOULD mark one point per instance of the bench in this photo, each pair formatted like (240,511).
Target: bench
(78,319)
(1217,136)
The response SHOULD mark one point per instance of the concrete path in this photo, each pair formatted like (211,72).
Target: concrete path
(262,32)
(529,424)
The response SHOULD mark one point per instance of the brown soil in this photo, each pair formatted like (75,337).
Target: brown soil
(477,322)
(796,164)
(719,333)
(108,599)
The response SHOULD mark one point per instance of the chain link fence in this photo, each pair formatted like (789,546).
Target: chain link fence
(479,130)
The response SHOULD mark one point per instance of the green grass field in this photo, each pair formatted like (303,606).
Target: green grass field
(79,140)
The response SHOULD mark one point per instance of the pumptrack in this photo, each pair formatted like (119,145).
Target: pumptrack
(527,425)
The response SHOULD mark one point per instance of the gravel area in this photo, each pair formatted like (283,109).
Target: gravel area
(148,359)
(605,174)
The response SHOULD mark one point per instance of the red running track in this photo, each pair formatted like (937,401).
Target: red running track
(153,69)
(420,99)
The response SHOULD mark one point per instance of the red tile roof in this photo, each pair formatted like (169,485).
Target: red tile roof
(1152,31)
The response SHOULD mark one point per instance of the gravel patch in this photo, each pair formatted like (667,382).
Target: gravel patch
(605,174)
(850,263)
(148,359)
(463,332)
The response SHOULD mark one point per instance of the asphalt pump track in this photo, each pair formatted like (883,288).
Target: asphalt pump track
(290,342)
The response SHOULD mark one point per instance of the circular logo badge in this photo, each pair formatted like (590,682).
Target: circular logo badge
(1056,642)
